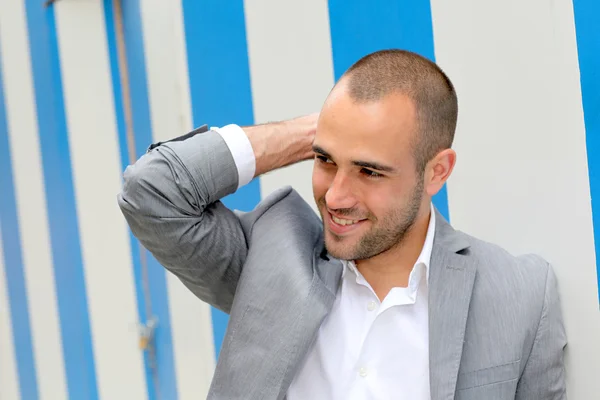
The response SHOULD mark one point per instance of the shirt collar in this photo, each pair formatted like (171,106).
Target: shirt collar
(423,261)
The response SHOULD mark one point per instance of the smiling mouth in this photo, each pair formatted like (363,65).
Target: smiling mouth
(344,222)
(343,226)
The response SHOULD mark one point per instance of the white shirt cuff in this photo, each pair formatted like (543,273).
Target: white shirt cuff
(241,150)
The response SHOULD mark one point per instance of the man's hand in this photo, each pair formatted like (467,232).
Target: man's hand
(280,144)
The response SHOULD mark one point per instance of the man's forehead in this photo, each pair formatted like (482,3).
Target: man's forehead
(364,128)
(392,112)
(346,139)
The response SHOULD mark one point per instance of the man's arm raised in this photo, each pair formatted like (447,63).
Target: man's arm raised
(171,200)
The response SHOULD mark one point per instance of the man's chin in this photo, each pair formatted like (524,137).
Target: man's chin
(337,247)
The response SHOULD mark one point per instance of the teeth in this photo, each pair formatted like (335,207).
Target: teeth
(343,221)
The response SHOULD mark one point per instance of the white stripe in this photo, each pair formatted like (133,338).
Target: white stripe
(9,383)
(30,197)
(170,108)
(522,179)
(293,82)
(96,165)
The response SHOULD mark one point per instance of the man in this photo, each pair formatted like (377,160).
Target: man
(379,299)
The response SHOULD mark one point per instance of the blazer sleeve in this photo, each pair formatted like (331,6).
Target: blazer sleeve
(171,201)
(543,377)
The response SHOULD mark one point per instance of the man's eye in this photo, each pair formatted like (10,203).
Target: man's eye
(371,174)
(323,159)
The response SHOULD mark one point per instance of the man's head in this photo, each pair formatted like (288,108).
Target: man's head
(382,151)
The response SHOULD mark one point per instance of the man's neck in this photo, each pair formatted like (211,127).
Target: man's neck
(392,268)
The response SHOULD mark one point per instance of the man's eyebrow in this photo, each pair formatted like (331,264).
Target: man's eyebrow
(320,150)
(374,165)
(364,164)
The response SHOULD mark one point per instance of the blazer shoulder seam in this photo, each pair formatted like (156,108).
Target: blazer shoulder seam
(542,315)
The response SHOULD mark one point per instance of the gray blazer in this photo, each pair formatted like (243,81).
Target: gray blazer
(496,330)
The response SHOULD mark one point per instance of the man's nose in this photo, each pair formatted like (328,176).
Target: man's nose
(340,194)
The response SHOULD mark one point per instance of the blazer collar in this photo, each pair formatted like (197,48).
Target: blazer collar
(451,278)
(452,275)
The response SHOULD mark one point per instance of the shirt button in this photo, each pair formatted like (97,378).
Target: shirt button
(363,372)
(371,306)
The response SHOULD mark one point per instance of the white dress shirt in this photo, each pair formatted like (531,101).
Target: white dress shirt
(365,349)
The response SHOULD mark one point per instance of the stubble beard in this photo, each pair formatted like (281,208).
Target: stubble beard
(392,230)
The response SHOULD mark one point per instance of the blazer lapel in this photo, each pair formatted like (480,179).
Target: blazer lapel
(451,278)
(269,336)
(327,272)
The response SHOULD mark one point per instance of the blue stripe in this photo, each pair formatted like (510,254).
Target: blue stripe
(142,125)
(13,262)
(60,197)
(587,15)
(109,14)
(219,75)
(360,27)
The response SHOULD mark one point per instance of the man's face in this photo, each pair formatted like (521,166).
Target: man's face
(364,178)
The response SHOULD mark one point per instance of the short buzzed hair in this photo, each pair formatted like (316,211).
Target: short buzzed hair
(387,71)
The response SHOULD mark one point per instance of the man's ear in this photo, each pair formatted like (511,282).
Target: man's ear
(438,171)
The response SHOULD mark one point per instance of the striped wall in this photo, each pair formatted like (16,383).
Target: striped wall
(75,286)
